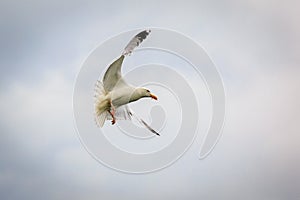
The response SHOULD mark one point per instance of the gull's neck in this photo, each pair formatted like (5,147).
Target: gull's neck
(136,95)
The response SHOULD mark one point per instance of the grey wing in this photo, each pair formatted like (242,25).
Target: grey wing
(134,42)
(122,113)
(141,121)
(113,75)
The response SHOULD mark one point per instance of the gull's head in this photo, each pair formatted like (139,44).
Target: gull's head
(141,93)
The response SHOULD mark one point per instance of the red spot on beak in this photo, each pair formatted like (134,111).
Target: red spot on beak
(153,96)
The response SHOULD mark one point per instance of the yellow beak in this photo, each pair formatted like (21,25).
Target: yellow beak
(153,96)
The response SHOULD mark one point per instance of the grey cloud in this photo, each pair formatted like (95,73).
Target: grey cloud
(43,47)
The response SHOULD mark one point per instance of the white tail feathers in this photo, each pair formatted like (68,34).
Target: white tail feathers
(134,42)
(99,92)
(100,104)
(99,87)
(100,119)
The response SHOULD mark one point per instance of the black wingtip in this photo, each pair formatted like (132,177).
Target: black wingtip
(156,133)
(151,129)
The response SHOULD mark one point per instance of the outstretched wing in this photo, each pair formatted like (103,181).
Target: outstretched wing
(124,113)
(113,76)
(148,127)
(136,41)
(141,121)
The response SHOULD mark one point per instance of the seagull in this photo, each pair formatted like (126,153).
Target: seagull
(113,93)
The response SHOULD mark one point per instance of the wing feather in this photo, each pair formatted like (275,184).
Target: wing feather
(113,76)
(124,113)
(136,41)
(141,121)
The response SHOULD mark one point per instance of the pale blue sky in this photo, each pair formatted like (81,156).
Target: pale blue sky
(254,44)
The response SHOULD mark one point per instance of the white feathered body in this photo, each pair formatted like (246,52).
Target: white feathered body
(114,92)
(118,97)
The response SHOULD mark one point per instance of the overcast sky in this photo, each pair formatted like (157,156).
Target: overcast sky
(254,44)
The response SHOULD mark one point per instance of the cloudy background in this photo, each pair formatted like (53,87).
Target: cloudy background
(255,45)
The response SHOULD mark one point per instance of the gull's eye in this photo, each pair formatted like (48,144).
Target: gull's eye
(148,90)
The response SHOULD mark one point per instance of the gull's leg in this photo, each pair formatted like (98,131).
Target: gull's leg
(112,113)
